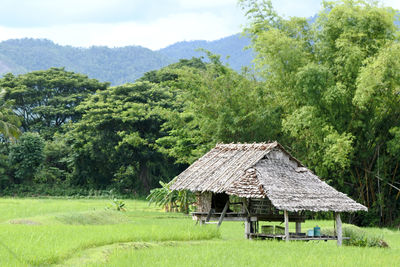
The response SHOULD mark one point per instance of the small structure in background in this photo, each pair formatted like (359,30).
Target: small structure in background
(267,183)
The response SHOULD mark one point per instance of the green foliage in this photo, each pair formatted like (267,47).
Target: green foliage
(45,100)
(162,197)
(114,140)
(394,143)
(336,79)
(5,168)
(26,156)
(216,104)
(171,200)
(169,73)
(56,167)
(117,204)
(9,121)
(359,237)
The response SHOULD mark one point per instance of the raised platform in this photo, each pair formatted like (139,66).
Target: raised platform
(229,216)
(293,236)
(237,216)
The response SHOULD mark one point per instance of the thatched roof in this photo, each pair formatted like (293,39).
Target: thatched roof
(259,171)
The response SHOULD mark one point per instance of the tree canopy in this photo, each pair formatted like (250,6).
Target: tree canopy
(216,104)
(337,81)
(45,100)
(114,140)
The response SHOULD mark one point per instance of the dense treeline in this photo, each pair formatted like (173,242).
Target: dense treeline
(327,90)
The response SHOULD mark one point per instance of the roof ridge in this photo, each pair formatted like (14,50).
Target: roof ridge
(245,146)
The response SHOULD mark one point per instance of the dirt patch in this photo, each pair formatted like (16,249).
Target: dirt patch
(22,221)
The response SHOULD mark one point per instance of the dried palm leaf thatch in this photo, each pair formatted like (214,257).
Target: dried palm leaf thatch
(264,170)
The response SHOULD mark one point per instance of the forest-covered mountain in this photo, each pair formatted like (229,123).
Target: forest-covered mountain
(116,65)
(232,46)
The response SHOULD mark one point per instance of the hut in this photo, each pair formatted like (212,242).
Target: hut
(260,182)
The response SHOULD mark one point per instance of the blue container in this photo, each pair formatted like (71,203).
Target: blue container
(310,232)
(317,231)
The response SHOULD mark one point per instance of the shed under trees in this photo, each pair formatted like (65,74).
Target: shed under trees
(267,184)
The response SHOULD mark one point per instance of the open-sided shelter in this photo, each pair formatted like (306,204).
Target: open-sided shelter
(268,184)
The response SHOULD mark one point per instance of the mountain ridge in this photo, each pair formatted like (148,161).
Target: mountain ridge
(116,65)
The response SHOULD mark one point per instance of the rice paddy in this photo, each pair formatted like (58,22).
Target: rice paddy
(82,232)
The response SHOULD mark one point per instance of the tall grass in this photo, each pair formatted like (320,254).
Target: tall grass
(58,233)
(43,232)
(254,253)
(52,243)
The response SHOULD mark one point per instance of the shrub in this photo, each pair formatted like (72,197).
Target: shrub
(26,156)
(171,200)
(117,204)
(359,237)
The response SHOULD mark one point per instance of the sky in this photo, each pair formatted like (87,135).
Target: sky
(149,23)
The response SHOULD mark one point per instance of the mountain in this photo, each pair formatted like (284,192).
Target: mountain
(232,47)
(115,65)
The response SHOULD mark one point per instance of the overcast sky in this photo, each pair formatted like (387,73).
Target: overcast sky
(149,23)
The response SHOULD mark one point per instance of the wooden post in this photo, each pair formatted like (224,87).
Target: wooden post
(209,215)
(286,215)
(298,227)
(338,228)
(245,204)
(223,213)
(247,228)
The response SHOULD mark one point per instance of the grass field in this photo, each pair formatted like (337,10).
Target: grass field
(74,232)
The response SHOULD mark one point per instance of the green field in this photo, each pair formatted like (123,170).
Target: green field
(81,232)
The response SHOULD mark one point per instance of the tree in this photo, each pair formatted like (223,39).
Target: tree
(56,167)
(9,122)
(45,100)
(336,81)
(26,156)
(216,104)
(114,141)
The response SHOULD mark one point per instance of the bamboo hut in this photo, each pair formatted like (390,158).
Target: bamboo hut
(267,184)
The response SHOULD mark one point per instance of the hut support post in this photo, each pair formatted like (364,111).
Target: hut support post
(223,213)
(286,215)
(245,204)
(338,228)
(298,227)
(247,228)
(209,215)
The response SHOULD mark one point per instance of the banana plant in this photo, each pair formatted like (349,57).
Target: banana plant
(178,201)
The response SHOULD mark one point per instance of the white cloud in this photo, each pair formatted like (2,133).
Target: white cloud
(392,3)
(154,35)
(206,3)
(149,23)
(290,8)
